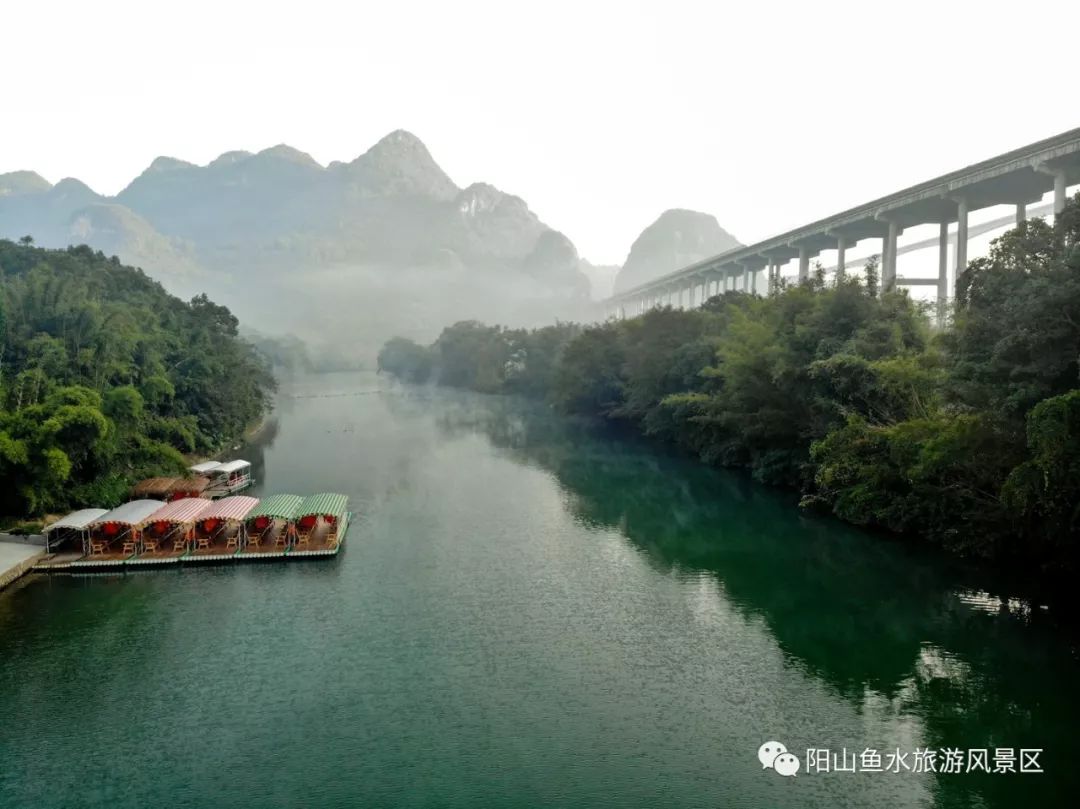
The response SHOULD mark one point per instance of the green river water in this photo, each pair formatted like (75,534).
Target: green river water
(527,613)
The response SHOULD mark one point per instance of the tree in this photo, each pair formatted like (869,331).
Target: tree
(106,378)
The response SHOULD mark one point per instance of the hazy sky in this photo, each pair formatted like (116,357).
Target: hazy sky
(600,115)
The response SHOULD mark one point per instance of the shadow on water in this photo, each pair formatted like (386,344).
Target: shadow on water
(872,618)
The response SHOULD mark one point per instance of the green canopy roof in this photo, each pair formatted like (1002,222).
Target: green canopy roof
(278,507)
(325,503)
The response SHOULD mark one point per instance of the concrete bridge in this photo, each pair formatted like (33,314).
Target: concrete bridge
(1019,178)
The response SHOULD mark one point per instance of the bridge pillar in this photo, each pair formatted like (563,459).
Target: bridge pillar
(841,251)
(961,236)
(1021,212)
(888,258)
(943,271)
(804,265)
(1059,192)
(690,290)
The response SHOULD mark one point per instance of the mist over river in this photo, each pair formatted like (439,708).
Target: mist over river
(527,613)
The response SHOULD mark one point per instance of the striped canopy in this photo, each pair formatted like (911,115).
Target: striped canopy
(278,507)
(322,504)
(181,511)
(230,508)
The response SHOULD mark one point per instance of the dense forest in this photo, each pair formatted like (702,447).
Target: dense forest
(967,436)
(105,378)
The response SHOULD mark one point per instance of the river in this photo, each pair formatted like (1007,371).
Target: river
(528,613)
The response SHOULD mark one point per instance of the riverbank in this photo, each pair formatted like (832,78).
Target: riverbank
(966,438)
(18,554)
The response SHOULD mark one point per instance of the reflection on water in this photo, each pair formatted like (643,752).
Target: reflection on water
(892,628)
(530,613)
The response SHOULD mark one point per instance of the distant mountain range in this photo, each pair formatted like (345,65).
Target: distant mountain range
(255,229)
(279,208)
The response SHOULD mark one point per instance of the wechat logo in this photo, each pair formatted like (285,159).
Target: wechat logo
(775,756)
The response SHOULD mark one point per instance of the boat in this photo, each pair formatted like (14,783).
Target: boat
(228,478)
(169,489)
(319,525)
(204,468)
(70,534)
(167,533)
(268,528)
(116,535)
(147,532)
(219,530)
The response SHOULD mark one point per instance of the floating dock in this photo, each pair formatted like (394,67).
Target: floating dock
(146,533)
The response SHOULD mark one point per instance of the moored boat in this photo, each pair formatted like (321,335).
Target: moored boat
(169,489)
(116,535)
(229,478)
(167,533)
(320,523)
(268,528)
(219,531)
(72,531)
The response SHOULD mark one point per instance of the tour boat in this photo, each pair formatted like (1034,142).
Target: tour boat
(116,535)
(170,489)
(228,478)
(268,528)
(167,533)
(195,529)
(320,524)
(219,531)
(71,533)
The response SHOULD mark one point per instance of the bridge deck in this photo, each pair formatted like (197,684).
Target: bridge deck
(1020,176)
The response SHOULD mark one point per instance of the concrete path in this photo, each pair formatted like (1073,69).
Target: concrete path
(15,559)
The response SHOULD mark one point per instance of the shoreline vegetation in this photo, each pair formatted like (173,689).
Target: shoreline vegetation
(968,437)
(105,378)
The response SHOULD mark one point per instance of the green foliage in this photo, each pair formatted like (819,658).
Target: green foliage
(971,439)
(474,356)
(406,360)
(104,377)
(491,359)
(1044,491)
(590,378)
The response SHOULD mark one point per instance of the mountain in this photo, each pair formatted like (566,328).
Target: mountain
(678,238)
(22,182)
(247,215)
(116,230)
(288,243)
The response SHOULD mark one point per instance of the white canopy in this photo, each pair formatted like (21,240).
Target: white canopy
(232,466)
(132,513)
(204,467)
(78,520)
